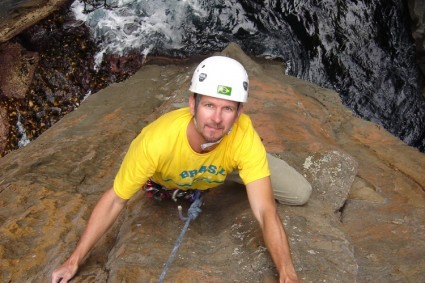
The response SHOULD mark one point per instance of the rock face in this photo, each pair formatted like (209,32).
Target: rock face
(16,74)
(47,70)
(18,66)
(417,16)
(364,222)
(30,13)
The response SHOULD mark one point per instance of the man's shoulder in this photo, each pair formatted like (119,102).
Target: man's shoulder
(170,120)
(245,118)
(160,135)
(244,122)
(181,112)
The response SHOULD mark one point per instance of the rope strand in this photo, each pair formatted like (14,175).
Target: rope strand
(192,213)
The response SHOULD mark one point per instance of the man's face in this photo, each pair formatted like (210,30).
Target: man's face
(214,117)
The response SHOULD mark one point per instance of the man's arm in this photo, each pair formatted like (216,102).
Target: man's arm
(103,216)
(260,197)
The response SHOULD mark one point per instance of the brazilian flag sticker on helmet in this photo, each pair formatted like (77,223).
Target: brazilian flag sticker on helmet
(226,90)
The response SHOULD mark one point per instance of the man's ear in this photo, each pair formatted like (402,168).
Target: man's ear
(192,104)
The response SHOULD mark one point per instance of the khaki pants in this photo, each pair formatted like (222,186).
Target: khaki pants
(289,186)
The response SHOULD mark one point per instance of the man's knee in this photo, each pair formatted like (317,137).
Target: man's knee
(289,186)
(305,195)
(296,196)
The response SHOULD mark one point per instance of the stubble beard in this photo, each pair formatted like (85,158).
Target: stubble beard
(205,137)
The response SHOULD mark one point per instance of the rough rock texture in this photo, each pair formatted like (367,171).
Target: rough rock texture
(39,87)
(17,69)
(417,16)
(30,13)
(364,222)
(4,127)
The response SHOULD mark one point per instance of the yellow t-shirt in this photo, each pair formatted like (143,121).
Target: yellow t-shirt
(162,152)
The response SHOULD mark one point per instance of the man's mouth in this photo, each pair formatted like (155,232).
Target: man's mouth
(216,128)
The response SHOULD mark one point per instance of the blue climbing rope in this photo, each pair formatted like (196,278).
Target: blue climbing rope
(192,213)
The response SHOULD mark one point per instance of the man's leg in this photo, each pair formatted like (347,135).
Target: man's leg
(289,186)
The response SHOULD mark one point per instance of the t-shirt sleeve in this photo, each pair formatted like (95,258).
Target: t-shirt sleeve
(135,169)
(252,158)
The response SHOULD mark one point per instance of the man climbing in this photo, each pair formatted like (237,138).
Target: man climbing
(198,148)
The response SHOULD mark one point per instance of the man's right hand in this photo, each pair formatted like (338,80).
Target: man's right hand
(65,272)
(103,216)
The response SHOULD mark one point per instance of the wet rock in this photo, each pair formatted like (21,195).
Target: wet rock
(27,14)
(48,190)
(17,72)
(4,128)
(126,64)
(417,16)
(53,71)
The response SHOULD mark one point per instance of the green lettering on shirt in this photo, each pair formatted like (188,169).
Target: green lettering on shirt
(203,169)
(212,169)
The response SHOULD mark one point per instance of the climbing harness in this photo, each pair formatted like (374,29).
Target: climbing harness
(158,192)
(192,213)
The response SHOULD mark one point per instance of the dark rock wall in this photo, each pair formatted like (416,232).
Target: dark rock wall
(417,15)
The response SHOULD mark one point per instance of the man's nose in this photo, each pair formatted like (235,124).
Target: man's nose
(217,116)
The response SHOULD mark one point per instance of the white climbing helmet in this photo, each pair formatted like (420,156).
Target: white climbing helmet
(221,77)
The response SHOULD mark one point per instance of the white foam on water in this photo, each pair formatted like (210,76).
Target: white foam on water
(142,25)
(77,9)
(21,129)
(86,96)
(137,25)
(236,12)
